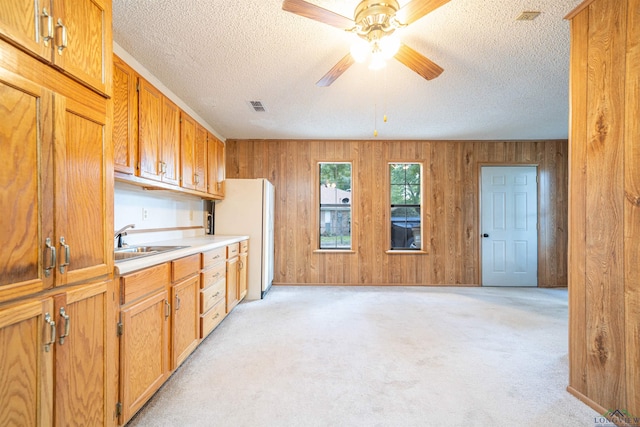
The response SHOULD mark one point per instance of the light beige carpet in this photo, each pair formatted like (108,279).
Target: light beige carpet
(380,356)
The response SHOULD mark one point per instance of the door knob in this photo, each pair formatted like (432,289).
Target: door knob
(485,235)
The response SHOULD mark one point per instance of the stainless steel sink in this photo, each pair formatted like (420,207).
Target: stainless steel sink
(135,252)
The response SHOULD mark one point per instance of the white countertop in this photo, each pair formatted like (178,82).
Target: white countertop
(194,245)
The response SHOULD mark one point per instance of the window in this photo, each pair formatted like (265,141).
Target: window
(335,206)
(406,201)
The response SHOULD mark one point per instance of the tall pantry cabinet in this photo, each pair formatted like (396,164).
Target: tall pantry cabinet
(604,205)
(56,203)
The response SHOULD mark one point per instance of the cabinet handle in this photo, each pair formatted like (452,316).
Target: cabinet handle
(47,24)
(164,167)
(167,309)
(196,178)
(177,303)
(63,36)
(52,331)
(67,323)
(52,258)
(67,254)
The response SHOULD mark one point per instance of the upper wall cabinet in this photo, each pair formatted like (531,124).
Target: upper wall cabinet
(216,166)
(193,150)
(158,135)
(155,143)
(125,117)
(73,35)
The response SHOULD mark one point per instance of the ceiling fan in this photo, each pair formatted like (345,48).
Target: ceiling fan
(375,22)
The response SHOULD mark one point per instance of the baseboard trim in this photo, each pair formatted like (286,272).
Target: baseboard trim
(584,399)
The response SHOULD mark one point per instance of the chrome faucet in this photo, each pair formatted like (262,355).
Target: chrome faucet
(122,232)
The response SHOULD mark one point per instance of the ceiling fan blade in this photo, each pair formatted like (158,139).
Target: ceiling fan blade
(418,63)
(416,9)
(336,71)
(311,11)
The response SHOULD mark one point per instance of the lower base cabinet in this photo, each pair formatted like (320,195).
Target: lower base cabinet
(27,337)
(144,351)
(165,312)
(54,363)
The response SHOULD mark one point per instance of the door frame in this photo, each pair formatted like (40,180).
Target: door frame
(480,165)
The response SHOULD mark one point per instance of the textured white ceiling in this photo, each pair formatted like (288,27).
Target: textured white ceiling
(503,79)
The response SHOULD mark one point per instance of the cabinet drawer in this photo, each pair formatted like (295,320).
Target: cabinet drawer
(185,267)
(211,319)
(140,283)
(211,276)
(232,250)
(213,256)
(212,295)
(244,246)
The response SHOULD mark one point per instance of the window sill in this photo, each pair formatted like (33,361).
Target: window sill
(405,252)
(334,251)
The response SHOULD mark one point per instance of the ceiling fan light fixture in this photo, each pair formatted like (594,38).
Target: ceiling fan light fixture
(378,61)
(360,50)
(389,45)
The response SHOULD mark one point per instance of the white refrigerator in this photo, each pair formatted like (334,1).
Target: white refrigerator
(248,209)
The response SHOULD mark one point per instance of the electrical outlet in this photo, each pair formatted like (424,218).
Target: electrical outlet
(145,214)
(190,214)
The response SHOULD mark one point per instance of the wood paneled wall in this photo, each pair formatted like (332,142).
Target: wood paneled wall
(604,216)
(451,207)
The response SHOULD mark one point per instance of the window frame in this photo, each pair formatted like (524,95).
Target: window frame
(423,208)
(317,208)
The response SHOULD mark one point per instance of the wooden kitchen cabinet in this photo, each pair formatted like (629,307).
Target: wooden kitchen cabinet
(185,325)
(72,35)
(56,150)
(144,351)
(193,150)
(216,166)
(125,117)
(158,135)
(242,269)
(27,337)
(54,360)
(232,276)
(213,284)
(82,352)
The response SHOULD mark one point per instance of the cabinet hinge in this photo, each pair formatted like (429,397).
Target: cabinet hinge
(118,409)
(119,329)
(137,87)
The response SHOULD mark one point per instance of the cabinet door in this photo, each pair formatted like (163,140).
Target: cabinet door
(144,351)
(85,50)
(81,192)
(242,275)
(220,164)
(170,150)
(232,283)
(81,356)
(27,334)
(212,164)
(149,130)
(185,321)
(215,162)
(187,144)
(26,192)
(28,23)
(200,159)
(125,117)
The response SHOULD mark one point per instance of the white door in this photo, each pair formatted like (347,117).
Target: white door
(509,225)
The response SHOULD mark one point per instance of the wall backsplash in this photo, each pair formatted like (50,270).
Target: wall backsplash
(177,215)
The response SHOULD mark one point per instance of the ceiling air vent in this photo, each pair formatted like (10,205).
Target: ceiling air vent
(257,106)
(528,16)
